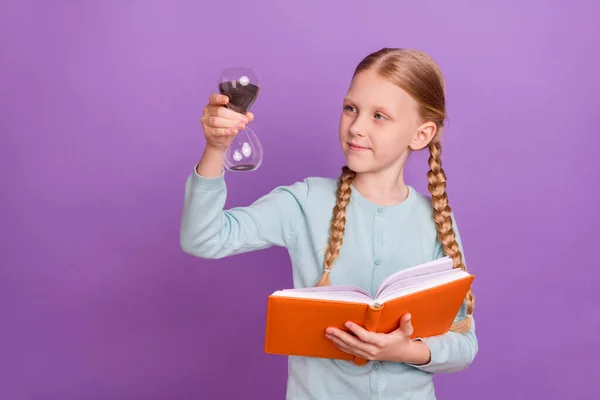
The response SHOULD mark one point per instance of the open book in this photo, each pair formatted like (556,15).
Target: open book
(297,318)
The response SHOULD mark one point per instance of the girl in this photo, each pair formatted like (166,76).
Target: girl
(395,105)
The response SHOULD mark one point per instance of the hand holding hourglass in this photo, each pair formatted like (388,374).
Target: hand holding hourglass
(241,86)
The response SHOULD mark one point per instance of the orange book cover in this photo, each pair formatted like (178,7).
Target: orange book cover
(297,318)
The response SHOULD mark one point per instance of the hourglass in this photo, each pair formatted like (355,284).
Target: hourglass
(241,86)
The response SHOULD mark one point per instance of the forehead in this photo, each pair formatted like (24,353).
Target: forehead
(369,88)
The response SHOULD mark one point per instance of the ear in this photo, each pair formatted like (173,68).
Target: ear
(425,133)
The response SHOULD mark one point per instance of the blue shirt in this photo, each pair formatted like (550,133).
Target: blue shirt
(378,241)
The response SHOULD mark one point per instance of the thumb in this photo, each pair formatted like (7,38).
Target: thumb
(406,325)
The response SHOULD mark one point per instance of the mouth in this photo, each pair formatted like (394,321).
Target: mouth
(355,147)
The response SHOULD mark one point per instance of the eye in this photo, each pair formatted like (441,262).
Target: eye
(379,116)
(349,108)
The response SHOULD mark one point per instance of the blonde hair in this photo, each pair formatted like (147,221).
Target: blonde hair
(417,74)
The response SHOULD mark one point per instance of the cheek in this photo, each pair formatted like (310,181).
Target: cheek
(344,127)
(390,142)
(383,139)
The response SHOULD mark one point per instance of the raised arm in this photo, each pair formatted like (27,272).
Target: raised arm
(209,231)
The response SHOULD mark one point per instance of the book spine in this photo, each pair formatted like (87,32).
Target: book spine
(372,316)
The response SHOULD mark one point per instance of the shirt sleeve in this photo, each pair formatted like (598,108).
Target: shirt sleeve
(207,230)
(452,351)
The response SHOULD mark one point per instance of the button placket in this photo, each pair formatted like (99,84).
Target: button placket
(378,251)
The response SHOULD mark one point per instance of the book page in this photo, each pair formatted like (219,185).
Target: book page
(338,293)
(352,297)
(431,267)
(396,287)
(406,281)
(421,283)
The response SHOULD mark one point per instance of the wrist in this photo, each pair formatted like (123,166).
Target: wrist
(418,353)
(211,163)
(213,149)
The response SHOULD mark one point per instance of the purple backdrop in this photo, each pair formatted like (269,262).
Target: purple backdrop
(99,123)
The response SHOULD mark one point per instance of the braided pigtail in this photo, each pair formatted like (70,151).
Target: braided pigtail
(443,223)
(338,223)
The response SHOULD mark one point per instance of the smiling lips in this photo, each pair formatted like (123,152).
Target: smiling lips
(355,147)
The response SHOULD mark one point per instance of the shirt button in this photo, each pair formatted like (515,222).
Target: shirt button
(375,365)
(378,262)
(380,210)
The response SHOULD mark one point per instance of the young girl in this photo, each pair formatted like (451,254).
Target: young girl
(395,105)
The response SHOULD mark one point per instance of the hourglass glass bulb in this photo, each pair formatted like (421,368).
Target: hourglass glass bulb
(245,152)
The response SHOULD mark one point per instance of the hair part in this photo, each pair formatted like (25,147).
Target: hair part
(416,73)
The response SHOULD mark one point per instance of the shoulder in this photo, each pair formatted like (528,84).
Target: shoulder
(423,208)
(424,213)
(313,186)
(310,190)
(422,203)
(321,186)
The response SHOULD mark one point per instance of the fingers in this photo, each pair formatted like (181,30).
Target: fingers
(217,99)
(216,102)
(223,132)
(406,325)
(220,123)
(215,108)
(212,121)
(405,320)
(347,349)
(365,335)
(352,343)
(223,112)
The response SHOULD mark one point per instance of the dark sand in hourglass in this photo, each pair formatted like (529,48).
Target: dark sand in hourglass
(240,97)
(243,167)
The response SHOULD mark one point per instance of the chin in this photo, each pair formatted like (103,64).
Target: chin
(357,165)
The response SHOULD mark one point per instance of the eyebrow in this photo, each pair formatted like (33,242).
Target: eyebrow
(383,109)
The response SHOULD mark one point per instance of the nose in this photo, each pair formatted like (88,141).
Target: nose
(358,127)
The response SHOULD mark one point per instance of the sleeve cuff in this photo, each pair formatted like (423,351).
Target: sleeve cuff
(432,354)
(203,183)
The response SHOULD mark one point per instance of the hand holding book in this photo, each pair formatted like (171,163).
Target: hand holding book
(396,346)
(427,297)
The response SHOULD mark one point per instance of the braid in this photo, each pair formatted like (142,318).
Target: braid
(443,223)
(338,223)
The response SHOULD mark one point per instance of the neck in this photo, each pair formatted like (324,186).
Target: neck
(385,187)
